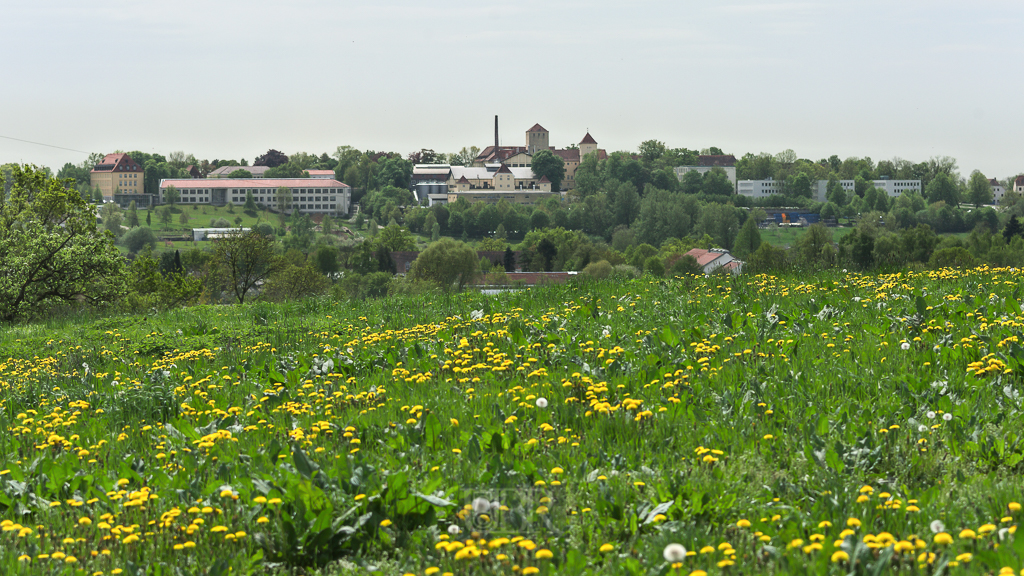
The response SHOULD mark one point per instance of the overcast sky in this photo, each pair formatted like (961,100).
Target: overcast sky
(230,79)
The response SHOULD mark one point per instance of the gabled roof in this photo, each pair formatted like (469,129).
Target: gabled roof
(117,162)
(570,155)
(993,182)
(716,160)
(705,257)
(1019,181)
(536,128)
(463,180)
(588,139)
(503,170)
(543,180)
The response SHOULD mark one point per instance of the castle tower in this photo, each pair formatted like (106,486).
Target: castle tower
(536,139)
(587,145)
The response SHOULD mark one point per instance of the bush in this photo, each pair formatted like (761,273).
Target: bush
(600,269)
(363,286)
(624,272)
(655,267)
(138,238)
(294,282)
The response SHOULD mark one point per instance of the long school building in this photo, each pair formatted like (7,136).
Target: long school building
(309,195)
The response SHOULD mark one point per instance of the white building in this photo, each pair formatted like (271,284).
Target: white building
(998,190)
(758,188)
(309,195)
(706,163)
(819,189)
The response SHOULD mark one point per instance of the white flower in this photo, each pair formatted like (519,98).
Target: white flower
(922,428)
(481,505)
(947,416)
(930,414)
(542,402)
(453,530)
(495,505)
(905,346)
(936,349)
(674,553)
(937,526)
(115,383)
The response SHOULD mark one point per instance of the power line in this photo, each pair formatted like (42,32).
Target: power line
(41,144)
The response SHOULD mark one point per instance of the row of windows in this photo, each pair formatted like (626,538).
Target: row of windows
(274,190)
(240,199)
(127,175)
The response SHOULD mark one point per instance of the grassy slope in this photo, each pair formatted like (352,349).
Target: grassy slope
(745,410)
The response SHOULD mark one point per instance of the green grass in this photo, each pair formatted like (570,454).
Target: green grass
(753,414)
(783,237)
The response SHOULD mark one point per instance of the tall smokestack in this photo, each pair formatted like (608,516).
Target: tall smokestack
(495,133)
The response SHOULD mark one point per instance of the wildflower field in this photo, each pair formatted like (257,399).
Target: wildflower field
(832,423)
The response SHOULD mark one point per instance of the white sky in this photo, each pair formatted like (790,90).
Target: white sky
(230,79)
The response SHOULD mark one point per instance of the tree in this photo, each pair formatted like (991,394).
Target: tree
(240,173)
(284,199)
(133,215)
(1012,228)
(547,250)
(394,238)
(250,203)
(172,195)
(166,215)
(509,261)
(716,182)
(149,219)
(545,163)
(800,185)
(138,238)
(50,248)
(286,170)
(748,240)
(271,159)
(943,189)
(245,260)
(327,225)
(446,262)
(979,191)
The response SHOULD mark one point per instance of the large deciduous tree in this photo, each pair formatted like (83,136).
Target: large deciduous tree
(545,163)
(245,260)
(446,262)
(979,191)
(272,158)
(942,188)
(50,248)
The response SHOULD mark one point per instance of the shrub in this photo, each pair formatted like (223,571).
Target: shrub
(600,269)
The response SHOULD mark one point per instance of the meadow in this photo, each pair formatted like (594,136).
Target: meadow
(829,423)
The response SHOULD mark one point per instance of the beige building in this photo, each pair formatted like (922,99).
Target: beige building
(117,174)
(496,182)
(537,139)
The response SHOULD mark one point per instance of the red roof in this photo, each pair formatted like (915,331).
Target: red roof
(463,180)
(117,162)
(993,182)
(571,155)
(253,183)
(320,172)
(716,160)
(536,128)
(588,139)
(1019,181)
(543,179)
(704,257)
(503,170)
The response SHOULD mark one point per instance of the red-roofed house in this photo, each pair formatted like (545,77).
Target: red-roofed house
(308,195)
(715,258)
(1018,184)
(117,174)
